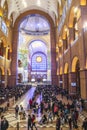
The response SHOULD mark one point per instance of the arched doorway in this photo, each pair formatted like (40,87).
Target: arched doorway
(76,73)
(66,77)
(33,49)
(52,45)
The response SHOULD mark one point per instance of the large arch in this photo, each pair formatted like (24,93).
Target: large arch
(61,70)
(2,70)
(66,68)
(76,71)
(74,62)
(42,46)
(15,45)
(66,77)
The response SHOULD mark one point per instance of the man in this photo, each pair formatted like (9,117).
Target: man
(58,123)
(4,124)
(84,125)
(29,122)
(16,111)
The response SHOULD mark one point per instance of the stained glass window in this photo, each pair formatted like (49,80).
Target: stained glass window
(39,62)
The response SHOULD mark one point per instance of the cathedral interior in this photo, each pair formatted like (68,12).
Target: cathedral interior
(44,42)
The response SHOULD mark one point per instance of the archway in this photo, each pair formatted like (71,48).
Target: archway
(52,42)
(66,76)
(76,71)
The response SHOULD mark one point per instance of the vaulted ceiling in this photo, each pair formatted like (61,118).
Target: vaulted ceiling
(16,7)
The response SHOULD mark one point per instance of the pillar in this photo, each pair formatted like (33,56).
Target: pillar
(65,81)
(83,83)
(60,81)
(71,34)
(64,44)
(14,58)
(53,57)
(3,80)
(72,83)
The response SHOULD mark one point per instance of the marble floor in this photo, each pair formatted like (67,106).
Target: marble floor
(10,115)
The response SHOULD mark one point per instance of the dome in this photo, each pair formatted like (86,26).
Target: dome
(34,24)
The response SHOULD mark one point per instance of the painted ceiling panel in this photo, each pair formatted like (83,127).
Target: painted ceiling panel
(20,6)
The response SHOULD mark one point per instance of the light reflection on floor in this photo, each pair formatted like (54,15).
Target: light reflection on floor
(24,101)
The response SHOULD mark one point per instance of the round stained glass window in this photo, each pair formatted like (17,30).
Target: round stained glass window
(38,59)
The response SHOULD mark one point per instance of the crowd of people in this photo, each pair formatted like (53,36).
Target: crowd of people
(11,92)
(51,108)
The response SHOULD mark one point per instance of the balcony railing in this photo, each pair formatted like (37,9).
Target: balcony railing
(65,10)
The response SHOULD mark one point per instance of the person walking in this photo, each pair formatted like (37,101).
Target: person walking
(34,122)
(58,123)
(16,111)
(84,125)
(50,116)
(29,122)
(70,123)
(4,124)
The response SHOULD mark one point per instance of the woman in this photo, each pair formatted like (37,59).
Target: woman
(34,121)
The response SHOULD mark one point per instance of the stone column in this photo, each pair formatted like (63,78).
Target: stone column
(9,80)
(65,81)
(60,81)
(71,35)
(72,83)
(14,58)
(3,80)
(54,68)
(53,57)
(64,44)
(83,83)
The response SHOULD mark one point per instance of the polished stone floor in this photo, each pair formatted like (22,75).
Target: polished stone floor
(10,115)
